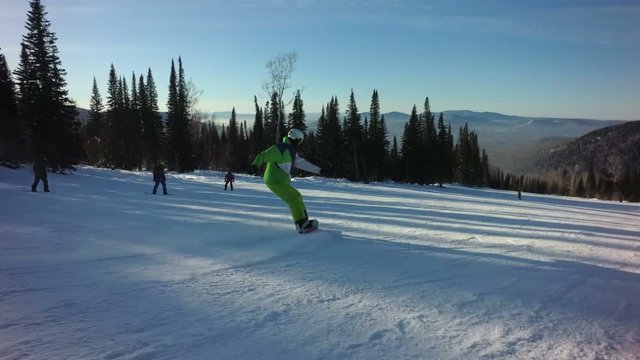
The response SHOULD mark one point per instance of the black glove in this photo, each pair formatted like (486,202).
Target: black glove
(253,170)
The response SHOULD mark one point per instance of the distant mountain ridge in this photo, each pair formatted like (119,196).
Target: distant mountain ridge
(512,142)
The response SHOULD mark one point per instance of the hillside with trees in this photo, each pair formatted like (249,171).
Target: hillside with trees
(604,163)
(127,131)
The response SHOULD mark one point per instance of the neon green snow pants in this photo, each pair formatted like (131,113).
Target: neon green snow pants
(292,197)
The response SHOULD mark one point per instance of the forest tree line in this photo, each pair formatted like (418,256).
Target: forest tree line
(126,131)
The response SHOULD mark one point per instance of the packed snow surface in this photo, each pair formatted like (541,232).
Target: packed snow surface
(102,269)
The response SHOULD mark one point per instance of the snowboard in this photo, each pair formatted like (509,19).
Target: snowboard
(314,227)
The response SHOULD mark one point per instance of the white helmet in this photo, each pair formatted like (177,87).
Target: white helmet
(296,135)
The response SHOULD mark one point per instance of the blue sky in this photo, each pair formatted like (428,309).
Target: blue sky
(555,58)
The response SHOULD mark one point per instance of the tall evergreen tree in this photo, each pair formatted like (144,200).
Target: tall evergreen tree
(233,134)
(297,115)
(174,128)
(394,166)
(115,111)
(353,141)
(180,147)
(44,102)
(234,142)
(271,119)
(483,179)
(156,136)
(135,137)
(378,145)
(130,139)
(469,162)
(590,185)
(428,145)
(185,155)
(12,146)
(463,157)
(97,139)
(444,148)
(411,147)
(258,133)
(329,138)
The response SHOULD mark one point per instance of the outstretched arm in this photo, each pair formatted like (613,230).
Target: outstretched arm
(302,163)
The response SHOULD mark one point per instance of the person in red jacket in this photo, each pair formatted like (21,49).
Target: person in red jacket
(229,179)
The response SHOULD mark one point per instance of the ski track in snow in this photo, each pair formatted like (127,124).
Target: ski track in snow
(100,270)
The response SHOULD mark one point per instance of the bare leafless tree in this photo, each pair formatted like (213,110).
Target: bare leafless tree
(615,166)
(280,70)
(193,97)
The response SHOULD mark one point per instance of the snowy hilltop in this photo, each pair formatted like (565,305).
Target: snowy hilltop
(99,268)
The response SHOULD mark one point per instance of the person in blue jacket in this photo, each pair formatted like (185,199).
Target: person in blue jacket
(159,178)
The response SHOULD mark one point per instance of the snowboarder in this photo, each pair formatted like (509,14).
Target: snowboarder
(40,173)
(159,178)
(229,179)
(282,159)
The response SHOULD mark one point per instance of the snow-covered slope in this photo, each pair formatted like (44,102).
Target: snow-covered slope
(98,269)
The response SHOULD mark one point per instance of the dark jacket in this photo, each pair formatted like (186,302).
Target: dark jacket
(158,174)
(39,170)
(229,177)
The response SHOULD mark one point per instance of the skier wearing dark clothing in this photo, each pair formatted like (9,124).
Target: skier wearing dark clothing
(159,178)
(39,173)
(229,179)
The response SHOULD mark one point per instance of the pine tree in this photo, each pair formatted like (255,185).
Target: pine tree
(353,140)
(97,140)
(329,136)
(174,129)
(444,151)
(378,145)
(428,146)
(180,146)
(114,119)
(483,178)
(244,148)
(475,160)
(311,148)
(135,137)
(411,148)
(590,185)
(185,155)
(156,138)
(43,102)
(468,161)
(131,130)
(233,135)
(271,119)
(234,142)
(258,135)
(12,146)
(297,115)
(395,163)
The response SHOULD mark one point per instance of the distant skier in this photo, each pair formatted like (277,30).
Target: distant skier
(159,177)
(40,173)
(282,159)
(229,179)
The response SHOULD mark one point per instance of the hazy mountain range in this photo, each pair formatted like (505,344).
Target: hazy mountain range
(513,143)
